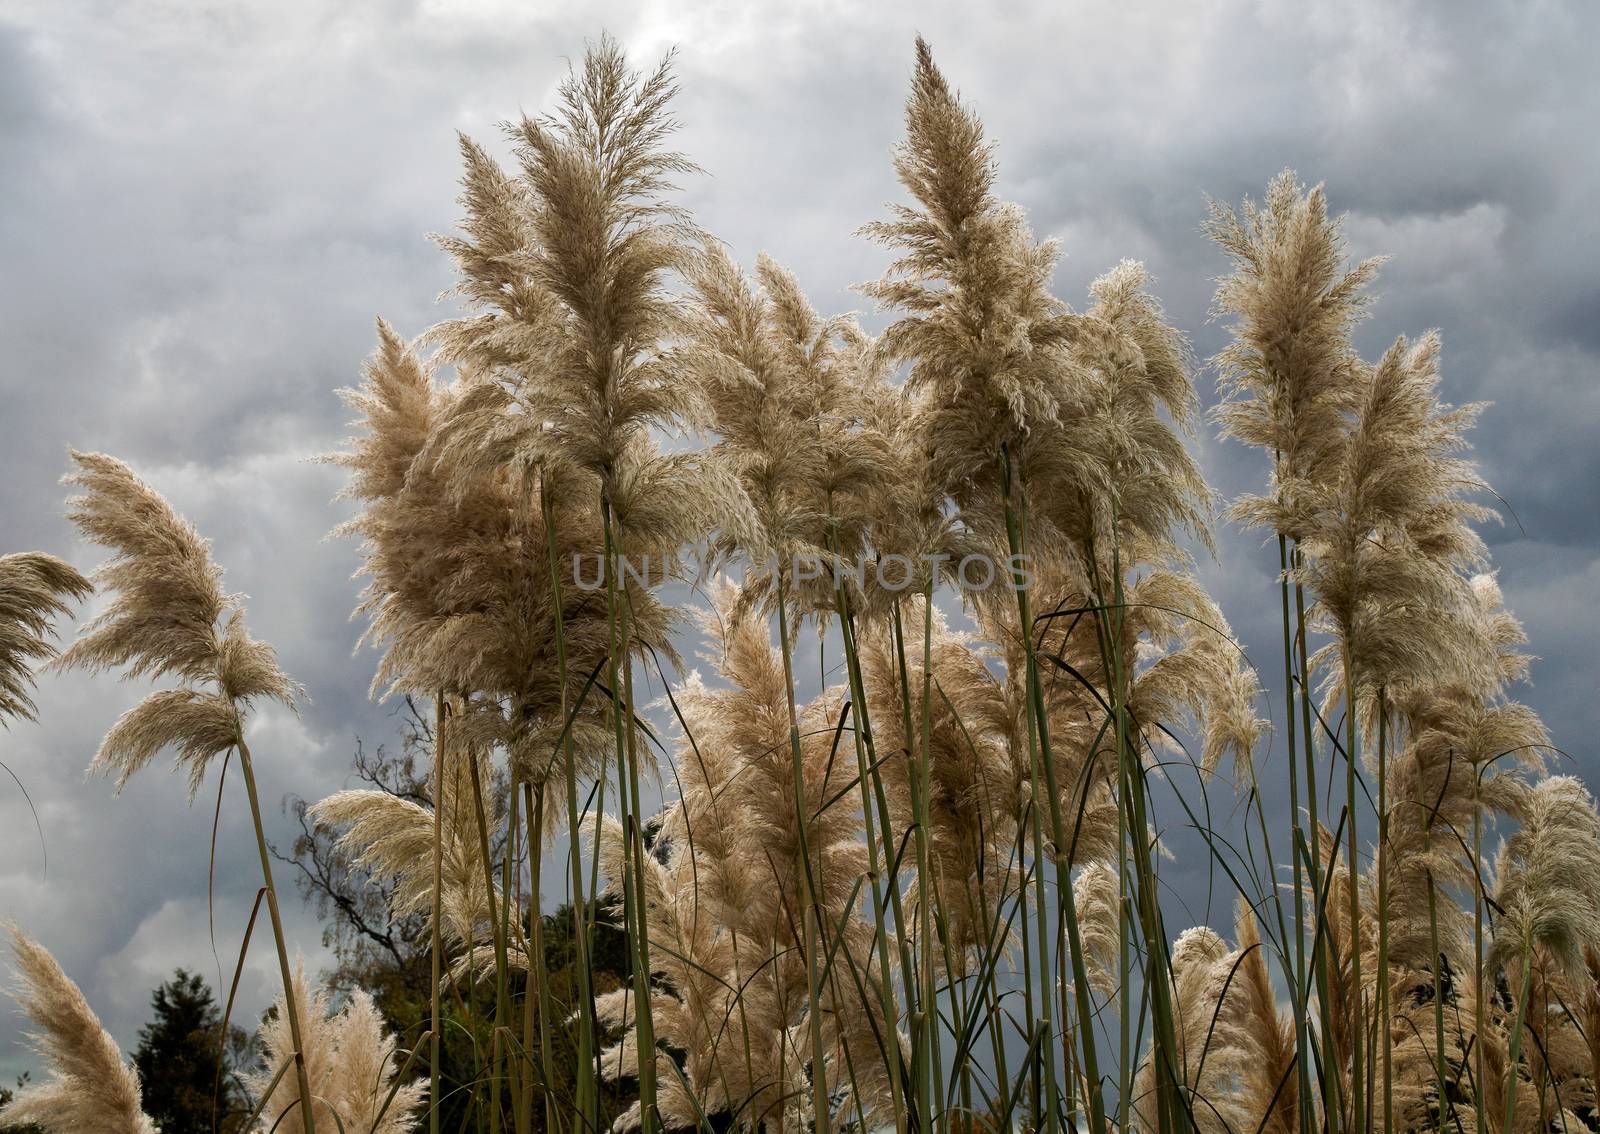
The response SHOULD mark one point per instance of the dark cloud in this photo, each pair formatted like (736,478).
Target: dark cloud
(203,210)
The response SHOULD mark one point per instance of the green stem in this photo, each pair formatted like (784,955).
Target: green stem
(927,884)
(501,1007)
(920,993)
(1480,1006)
(635,906)
(809,915)
(507,901)
(587,1101)
(867,776)
(1321,952)
(1357,1011)
(436,943)
(1302,989)
(535,807)
(1385,1015)
(1042,756)
(290,1009)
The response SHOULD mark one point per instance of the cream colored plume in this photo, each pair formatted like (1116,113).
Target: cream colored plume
(91,1090)
(1547,878)
(722,892)
(1097,893)
(777,385)
(34,589)
(569,267)
(393,838)
(365,1065)
(975,776)
(982,333)
(350,1060)
(1289,376)
(168,617)
(1237,1046)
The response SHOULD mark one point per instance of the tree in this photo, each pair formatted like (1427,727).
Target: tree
(189,1080)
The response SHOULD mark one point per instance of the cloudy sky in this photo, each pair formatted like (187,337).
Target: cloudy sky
(202,207)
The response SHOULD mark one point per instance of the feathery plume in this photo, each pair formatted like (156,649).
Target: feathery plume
(975,777)
(1545,878)
(91,1089)
(163,620)
(1098,893)
(458,562)
(778,386)
(349,1061)
(393,838)
(364,1070)
(1391,549)
(723,893)
(1288,375)
(1116,473)
(34,589)
(571,258)
(316,1049)
(981,330)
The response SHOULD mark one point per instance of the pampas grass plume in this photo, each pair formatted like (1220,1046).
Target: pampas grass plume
(91,1089)
(34,588)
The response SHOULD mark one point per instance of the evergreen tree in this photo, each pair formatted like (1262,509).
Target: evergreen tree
(186,1076)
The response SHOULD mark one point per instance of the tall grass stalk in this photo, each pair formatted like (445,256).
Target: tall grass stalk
(1358,1027)
(291,1012)
(501,968)
(922,992)
(586,1104)
(621,678)
(1385,1009)
(436,943)
(1322,952)
(870,785)
(809,916)
(1480,1004)
(1041,756)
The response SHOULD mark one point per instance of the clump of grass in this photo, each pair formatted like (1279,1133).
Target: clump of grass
(926,890)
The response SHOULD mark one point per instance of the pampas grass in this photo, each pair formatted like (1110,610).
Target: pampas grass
(34,589)
(91,1089)
(167,617)
(921,885)
(350,1063)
